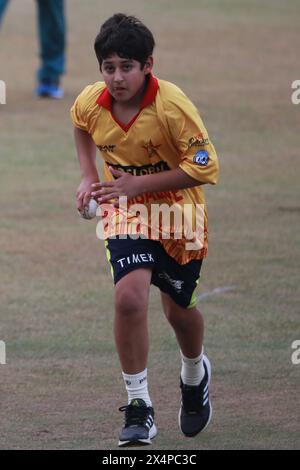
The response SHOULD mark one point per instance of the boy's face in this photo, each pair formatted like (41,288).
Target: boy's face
(124,78)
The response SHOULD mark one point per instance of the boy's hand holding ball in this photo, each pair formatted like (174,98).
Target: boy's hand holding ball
(89,211)
(86,206)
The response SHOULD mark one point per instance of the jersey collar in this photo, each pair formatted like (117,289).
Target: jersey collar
(105,99)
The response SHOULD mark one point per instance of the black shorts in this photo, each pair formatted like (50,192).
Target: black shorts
(176,280)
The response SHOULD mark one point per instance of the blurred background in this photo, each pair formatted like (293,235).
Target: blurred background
(61,385)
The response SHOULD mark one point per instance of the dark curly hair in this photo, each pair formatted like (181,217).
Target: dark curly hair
(125,36)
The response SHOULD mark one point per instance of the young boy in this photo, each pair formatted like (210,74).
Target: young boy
(155,150)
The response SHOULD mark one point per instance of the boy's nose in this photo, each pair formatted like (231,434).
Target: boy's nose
(118,76)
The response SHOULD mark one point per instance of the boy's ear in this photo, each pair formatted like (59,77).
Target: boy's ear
(148,65)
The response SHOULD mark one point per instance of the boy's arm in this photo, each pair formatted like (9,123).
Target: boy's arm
(128,185)
(86,151)
(167,180)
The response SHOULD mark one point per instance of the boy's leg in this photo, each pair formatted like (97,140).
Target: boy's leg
(195,411)
(188,326)
(130,327)
(131,336)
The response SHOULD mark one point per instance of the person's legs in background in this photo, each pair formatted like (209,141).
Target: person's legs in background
(52,32)
(3,5)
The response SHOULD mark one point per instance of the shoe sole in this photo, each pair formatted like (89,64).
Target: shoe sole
(208,365)
(140,442)
(52,97)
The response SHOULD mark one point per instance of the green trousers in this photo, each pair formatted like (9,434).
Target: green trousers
(52,32)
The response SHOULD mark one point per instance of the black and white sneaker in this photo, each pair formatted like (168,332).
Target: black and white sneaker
(195,412)
(139,426)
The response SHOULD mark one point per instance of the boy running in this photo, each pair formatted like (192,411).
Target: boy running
(156,151)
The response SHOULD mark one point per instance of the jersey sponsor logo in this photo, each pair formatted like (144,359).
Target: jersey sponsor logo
(198,140)
(201,158)
(106,148)
(177,284)
(137,258)
(142,169)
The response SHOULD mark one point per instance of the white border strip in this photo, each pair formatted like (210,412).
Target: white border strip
(217,290)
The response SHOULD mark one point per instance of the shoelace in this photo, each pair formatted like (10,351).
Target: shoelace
(192,399)
(134,415)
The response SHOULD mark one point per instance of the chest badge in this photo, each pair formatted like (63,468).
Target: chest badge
(152,151)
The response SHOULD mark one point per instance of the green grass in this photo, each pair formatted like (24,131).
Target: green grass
(61,386)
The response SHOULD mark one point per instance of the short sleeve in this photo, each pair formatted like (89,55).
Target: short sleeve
(85,111)
(197,153)
(79,111)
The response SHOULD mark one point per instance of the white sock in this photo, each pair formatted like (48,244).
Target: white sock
(137,386)
(192,370)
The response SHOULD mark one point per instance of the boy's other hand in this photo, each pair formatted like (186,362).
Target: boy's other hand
(83,194)
(125,184)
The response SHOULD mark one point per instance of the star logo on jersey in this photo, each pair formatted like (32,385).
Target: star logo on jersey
(152,150)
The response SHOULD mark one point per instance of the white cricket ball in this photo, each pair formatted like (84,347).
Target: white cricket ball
(90,210)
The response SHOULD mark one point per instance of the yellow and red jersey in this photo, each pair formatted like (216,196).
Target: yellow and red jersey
(167,133)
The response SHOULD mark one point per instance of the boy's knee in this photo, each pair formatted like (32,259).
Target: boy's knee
(177,316)
(129,302)
(171,314)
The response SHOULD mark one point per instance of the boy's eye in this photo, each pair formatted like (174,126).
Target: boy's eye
(111,69)
(108,69)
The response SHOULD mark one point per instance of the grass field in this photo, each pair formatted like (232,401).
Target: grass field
(61,386)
